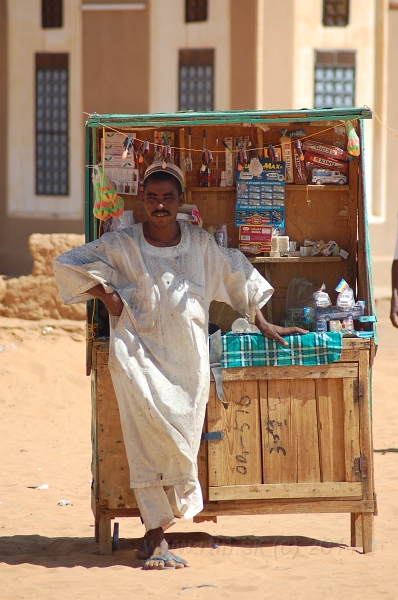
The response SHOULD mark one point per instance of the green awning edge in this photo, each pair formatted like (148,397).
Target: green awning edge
(233,117)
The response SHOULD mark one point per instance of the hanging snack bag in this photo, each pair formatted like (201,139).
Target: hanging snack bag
(353,146)
(107,202)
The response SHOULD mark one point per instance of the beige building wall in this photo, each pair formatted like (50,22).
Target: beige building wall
(275,54)
(17,21)
(168,33)
(243,64)
(383,233)
(26,38)
(358,35)
(115,58)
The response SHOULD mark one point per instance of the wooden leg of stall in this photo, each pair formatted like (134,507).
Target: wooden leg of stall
(105,535)
(356,529)
(367,532)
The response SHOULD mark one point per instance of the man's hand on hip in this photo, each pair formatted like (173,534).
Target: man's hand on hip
(113,302)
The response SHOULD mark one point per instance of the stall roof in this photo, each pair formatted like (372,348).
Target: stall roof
(181,119)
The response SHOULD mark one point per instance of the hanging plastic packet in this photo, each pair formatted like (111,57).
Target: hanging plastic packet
(322,298)
(128,142)
(107,202)
(125,221)
(353,146)
(345,299)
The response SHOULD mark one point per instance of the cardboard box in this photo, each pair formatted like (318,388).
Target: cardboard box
(255,233)
(254,247)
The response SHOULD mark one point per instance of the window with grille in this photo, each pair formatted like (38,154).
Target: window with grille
(52,177)
(51,13)
(334,84)
(336,13)
(195,10)
(196,77)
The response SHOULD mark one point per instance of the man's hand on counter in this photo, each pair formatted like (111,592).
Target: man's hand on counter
(275,332)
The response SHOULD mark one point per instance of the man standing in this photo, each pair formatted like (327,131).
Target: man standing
(157,280)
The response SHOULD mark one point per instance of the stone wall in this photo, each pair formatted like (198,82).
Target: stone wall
(36,296)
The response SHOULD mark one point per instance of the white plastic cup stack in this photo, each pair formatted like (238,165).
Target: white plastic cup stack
(283,244)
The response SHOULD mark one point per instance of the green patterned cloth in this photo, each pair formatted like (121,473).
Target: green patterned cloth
(254,350)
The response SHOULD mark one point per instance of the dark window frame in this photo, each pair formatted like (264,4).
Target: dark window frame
(333,69)
(51,13)
(200,63)
(336,13)
(196,11)
(52,124)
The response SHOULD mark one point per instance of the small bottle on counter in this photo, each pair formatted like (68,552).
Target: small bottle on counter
(348,324)
(321,325)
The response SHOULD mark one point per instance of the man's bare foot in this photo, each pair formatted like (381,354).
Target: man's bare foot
(162,558)
(155,549)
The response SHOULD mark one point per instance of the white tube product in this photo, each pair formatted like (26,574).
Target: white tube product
(287,157)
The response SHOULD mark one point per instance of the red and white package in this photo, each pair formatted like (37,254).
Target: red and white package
(325,163)
(325,150)
(300,175)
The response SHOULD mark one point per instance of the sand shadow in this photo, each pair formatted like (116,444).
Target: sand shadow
(84,551)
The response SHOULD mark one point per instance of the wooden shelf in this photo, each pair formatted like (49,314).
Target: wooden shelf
(293,259)
(213,189)
(319,188)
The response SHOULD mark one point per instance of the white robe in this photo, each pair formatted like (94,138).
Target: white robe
(158,354)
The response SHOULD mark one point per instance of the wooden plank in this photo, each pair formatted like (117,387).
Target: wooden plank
(105,536)
(235,459)
(349,355)
(365,429)
(113,471)
(356,529)
(294,259)
(330,400)
(203,454)
(285,507)
(265,507)
(334,370)
(304,418)
(356,343)
(285,490)
(277,433)
(367,532)
(351,429)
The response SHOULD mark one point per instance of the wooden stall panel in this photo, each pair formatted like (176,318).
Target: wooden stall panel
(330,409)
(304,418)
(236,458)
(113,469)
(278,435)
(351,429)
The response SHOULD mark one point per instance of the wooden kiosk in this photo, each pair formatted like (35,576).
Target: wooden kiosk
(294,439)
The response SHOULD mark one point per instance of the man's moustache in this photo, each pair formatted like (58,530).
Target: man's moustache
(160,212)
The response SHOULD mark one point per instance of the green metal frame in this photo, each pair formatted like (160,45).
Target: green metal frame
(232,117)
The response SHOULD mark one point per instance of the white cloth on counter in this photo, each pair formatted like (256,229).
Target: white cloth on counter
(158,354)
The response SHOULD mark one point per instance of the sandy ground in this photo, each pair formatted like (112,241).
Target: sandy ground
(48,552)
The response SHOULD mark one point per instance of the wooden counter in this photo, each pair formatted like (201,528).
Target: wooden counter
(295,440)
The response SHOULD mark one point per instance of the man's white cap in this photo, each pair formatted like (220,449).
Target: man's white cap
(168,167)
